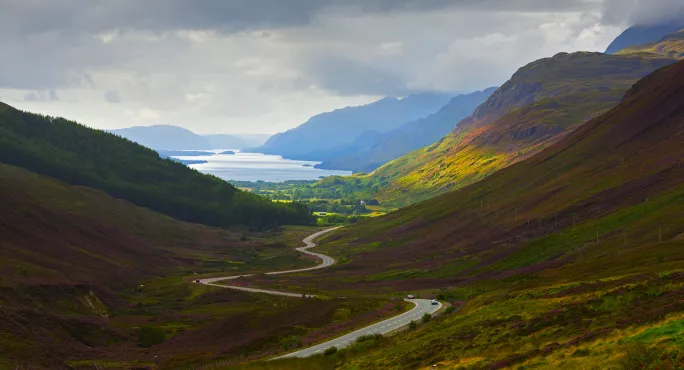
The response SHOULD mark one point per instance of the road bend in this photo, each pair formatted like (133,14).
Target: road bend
(421,306)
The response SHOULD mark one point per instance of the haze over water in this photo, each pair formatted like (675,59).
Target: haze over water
(258,166)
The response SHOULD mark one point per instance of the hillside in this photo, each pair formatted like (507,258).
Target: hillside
(324,134)
(642,34)
(670,46)
(167,137)
(570,259)
(541,103)
(69,253)
(368,153)
(83,276)
(79,155)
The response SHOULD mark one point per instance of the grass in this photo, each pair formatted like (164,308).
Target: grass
(543,291)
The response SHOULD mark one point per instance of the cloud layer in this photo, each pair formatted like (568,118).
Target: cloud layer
(267,65)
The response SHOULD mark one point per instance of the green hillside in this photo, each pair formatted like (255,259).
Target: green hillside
(569,259)
(79,155)
(541,103)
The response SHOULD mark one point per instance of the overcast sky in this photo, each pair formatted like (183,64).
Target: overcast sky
(263,66)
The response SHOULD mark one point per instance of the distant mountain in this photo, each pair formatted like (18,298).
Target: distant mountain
(178,138)
(372,150)
(637,35)
(163,137)
(252,140)
(325,134)
(236,141)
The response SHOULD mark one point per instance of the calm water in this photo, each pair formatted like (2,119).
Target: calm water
(257,166)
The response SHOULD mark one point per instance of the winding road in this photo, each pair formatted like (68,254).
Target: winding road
(422,306)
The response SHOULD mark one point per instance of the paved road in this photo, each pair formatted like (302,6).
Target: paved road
(422,306)
(308,241)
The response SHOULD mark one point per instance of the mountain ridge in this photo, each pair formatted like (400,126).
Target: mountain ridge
(541,102)
(372,150)
(329,131)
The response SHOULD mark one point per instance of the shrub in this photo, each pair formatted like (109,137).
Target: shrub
(427,317)
(413,325)
(364,338)
(330,351)
(149,336)
(450,309)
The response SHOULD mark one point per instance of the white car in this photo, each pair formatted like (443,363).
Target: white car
(411,296)
(434,302)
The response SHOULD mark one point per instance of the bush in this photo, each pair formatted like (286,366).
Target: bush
(412,325)
(450,309)
(149,336)
(427,317)
(364,338)
(330,351)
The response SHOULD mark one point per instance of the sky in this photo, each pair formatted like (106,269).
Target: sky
(264,66)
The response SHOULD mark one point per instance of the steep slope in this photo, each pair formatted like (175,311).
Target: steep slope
(536,107)
(642,34)
(66,255)
(623,170)
(670,46)
(323,134)
(368,153)
(594,282)
(55,233)
(78,155)
(178,138)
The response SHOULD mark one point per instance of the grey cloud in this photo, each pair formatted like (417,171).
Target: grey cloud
(348,77)
(643,12)
(43,95)
(112,96)
(307,56)
(38,16)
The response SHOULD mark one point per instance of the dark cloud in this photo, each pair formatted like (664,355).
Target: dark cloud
(38,16)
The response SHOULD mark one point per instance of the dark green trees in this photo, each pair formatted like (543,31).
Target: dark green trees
(78,155)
